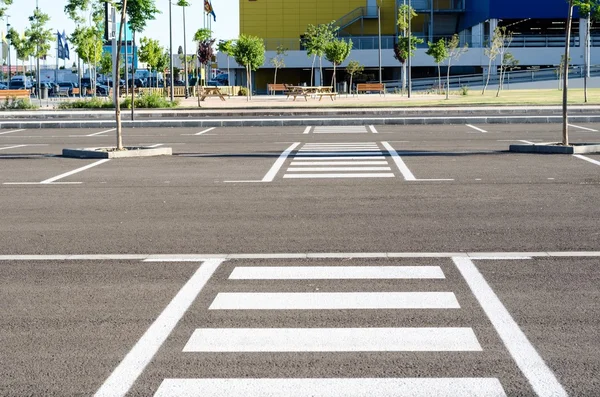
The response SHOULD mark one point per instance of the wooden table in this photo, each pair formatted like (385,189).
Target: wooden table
(211,91)
(300,90)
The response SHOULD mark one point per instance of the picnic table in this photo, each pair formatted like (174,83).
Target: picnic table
(305,91)
(211,91)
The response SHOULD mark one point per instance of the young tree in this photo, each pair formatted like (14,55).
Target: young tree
(162,62)
(315,41)
(353,68)
(38,36)
(509,62)
(504,41)
(205,51)
(492,51)
(278,60)
(439,52)
(454,52)
(226,47)
(139,13)
(22,46)
(249,51)
(88,44)
(336,52)
(150,52)
(401,51)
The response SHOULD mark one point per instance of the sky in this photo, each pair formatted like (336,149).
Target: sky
(225,27)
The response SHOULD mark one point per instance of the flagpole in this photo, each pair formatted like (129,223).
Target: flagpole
(56,68)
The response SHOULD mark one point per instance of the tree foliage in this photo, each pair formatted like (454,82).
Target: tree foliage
(88,43)
(315,40)
(22,46)
(354,67)
(336,52)
(249,51)
(401,47)
(3,6)
(439,52)
(278,61)
(455,51)
(38,35)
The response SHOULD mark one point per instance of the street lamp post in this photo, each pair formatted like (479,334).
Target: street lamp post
(409,48)
(185,65)
(7,29)
(379,33)
(172,89)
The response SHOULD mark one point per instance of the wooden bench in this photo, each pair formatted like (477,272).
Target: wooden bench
(331,95)
(295,91)
(14,94)
(208,91)
(369,87)
(271,88)
(76,91)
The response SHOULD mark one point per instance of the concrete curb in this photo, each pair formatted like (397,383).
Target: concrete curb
(132,152)
(306,121)
(550,148)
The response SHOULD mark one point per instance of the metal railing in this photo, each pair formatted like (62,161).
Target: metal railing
(439,5)
(542,41)
(355,15)
(478,80)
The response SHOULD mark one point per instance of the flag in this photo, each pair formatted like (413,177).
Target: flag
(209,9)
(60,49)
(66,52)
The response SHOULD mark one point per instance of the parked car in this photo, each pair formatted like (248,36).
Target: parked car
(19,85)
(151,82)
(102,89)
(223,78)
(3,86)
(138,83)
(216,83)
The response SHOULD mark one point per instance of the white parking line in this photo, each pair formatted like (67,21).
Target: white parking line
(66,174)
(408,176)
(541,378)
(373,130)
(295,163)
(205,131)
(333,300)
(12,147)
(353,175)
(10,132)
(279,163)
(102,132)
(475,128)
(579,156)
(583,128)
(307,130)
(335,272)
(336,169)
(327,387)
(124,376)
(411,339)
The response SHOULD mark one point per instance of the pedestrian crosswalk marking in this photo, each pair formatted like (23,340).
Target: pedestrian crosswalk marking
(338,163)
(414,339)
(335,272)
(333,300)
(325,176)
(333,158)
(313,169)
(358,129)
(328,387)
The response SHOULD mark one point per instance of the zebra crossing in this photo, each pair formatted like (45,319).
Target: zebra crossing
(334,340)
(339,160)
(349,129)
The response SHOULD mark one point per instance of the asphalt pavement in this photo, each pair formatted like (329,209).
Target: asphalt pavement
(310,260)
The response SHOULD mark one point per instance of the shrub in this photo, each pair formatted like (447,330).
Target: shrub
(150,101)
(92,103)
(17,104)
(464,90)
(243,91)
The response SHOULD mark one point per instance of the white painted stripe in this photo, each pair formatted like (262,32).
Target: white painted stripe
(408,176)
(353,153)
(205,131)
(363,145)
(534,368)
(339,132)
(340,143)
(475,128)
(101,132)
(333,300)
(331,340)
(317,169)
(527,142)
(10,132)
(579,156)
(279,163)
(331,158)
(66,174)
(335,272)
(352,175)
(124,376)
(40,183)
(583,128)
(342,150)
(339,163)
(306,130)
(12,147)
(305,255)
(328,387)
(155,145)
(373,130)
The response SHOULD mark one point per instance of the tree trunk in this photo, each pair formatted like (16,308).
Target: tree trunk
(448,80)
(228,73)
(312,70)
(566,77)
(403,77)
(439,79)
(333,81)
(500,77)
(115,84)
(133,77)
(275,78)
(321,70)
(587,59)
(247,84)
(350,88)
(487,81)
